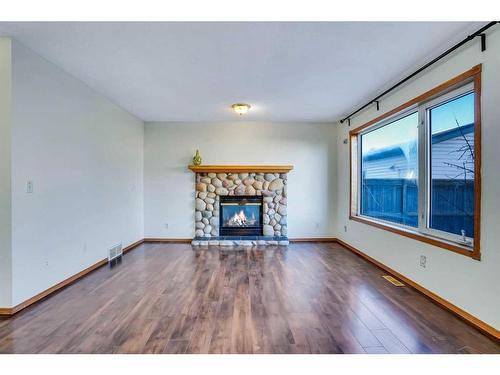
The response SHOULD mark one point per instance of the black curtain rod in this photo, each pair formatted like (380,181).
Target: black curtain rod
(447,52)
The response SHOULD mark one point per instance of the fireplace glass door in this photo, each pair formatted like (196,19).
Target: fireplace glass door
(240,216)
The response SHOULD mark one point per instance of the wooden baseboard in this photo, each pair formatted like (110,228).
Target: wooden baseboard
(464,315)
(9,311)
(132,246)
(313,239)
(168,240)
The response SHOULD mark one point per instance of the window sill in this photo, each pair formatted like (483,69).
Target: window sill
(472,252)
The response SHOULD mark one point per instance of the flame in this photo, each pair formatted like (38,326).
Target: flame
(240,219)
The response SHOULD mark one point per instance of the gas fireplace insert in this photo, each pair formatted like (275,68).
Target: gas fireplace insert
(240,216)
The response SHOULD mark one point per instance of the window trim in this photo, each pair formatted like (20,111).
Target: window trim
(472,75)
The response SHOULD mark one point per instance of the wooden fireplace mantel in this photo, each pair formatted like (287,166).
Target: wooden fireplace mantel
(241,168)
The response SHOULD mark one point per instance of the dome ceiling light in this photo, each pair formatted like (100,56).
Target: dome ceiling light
(241,108)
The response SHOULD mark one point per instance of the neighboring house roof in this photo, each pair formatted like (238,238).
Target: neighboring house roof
(401,161)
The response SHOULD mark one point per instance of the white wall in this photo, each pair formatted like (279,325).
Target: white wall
(5,196)
(169,185)
(85,158)
(472,285)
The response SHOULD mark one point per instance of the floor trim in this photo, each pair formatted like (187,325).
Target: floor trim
(168,240)
(313,239)
(464,315)
(70,280)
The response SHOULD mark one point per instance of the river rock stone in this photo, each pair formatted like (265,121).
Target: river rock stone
(257,185)
(276,184)
(216,182)
(221,191)
(282,209)
(221,176)
(268,230)
(206,180)
(210,207)
(242,176)
(202,195)
(268,193)
(211,188)
(200,186)
(249,190)
(265,219)
(269,177)
(197,216)
(208,228)
(227,183)
(209,201)
(214,221)
(200,204)
(206,214)
(212,175)
(199,225)
(199,233)
(248,181)
(240,190)
(204,221)
(211,195)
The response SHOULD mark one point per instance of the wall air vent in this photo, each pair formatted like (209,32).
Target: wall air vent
(115,252)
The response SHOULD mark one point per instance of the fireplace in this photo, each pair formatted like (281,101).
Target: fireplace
(240,216)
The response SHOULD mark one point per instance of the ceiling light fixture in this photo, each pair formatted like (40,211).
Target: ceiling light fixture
(241,108)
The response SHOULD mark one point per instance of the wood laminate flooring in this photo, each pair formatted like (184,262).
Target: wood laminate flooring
(171,298)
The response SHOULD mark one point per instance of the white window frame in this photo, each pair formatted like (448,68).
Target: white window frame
(424,165)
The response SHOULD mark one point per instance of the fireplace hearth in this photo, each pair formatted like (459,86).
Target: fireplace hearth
(240,216)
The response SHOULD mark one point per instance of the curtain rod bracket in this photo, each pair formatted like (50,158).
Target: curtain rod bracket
(483,42)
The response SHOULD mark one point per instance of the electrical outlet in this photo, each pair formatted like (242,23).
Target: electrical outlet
(423,261)
(166,225)
(345,228)
(46,263)
(29,187)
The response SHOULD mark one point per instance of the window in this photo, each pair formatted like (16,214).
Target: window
(414,171)
(389,171)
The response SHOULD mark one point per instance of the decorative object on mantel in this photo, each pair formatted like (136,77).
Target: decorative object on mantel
(197,158)
(264,186)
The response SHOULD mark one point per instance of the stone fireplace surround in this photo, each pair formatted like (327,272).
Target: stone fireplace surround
(270,182)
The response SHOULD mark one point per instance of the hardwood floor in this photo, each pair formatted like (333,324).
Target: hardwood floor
(307,298)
